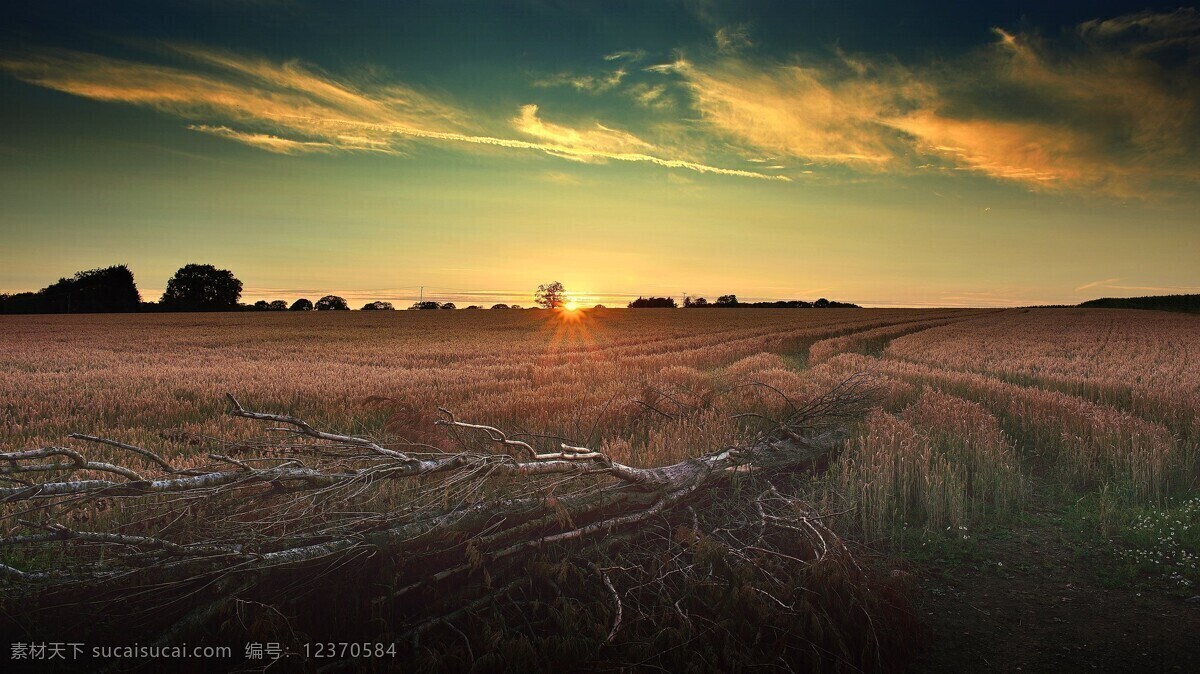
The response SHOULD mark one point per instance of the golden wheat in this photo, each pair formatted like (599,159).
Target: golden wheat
(1101,396)
(159,379)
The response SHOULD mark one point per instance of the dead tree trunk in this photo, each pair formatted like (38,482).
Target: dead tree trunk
(462,527)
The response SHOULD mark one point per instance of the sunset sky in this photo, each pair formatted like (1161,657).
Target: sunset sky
(885,153)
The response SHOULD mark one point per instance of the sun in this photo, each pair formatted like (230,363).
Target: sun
(571,305)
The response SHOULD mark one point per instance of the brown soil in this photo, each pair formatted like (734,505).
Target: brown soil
(1036,599)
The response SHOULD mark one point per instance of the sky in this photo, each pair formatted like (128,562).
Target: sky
(883,153)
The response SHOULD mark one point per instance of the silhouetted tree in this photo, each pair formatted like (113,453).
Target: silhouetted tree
(111,289)
(201,287)
(278,305)
(108,290)
(425,306)
(332,303)
(515,306)
(473,306)
(550,295)
(699,302)
(21,303)
(448,305)
(727,301)
(301,304)
(378,306)
(499,306)
(262,305)
(599,306)
(653,303)
(821,303)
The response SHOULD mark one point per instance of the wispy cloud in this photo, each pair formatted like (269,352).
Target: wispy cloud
(653,96)
(1110,107)
(602,143)
(594,84)
(1148,31)
(633,55)
(802,111)
(265,141)
(1115,284)
(599,139)
(1097,284)
(732,38)
(650,95)
(290,108)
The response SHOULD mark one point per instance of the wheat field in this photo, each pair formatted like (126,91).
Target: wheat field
(973,404)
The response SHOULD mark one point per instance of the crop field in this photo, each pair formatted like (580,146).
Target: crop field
(983,421)
(976,402)
(161,379)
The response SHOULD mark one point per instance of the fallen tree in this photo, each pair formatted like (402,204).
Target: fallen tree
(535,554)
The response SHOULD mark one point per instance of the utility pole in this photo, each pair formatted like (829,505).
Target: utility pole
(422,294)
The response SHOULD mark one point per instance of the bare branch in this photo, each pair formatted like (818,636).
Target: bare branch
(77,463)
(616,625)
(121,445)
(304,428)
(495,434)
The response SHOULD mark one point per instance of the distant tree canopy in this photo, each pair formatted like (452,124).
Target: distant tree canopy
(499,306)
(201,287)
(653,303)
(473,306)
(550,295)
(726,301)
(448,305)
(301,304)
(1184,303)
(331,303)
(378,306)
(425,306)
(274,305)
(107,290)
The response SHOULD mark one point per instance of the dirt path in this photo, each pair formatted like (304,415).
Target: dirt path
(1034,599)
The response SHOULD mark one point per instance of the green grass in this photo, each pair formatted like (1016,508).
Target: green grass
(1161,546)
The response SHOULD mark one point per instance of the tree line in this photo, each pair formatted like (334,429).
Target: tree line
(203,287)
(1184,303)
(194,287)
(731,302)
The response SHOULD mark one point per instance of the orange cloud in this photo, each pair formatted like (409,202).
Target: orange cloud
(284,99)
(1097,111)
(803,111)
(288,108)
